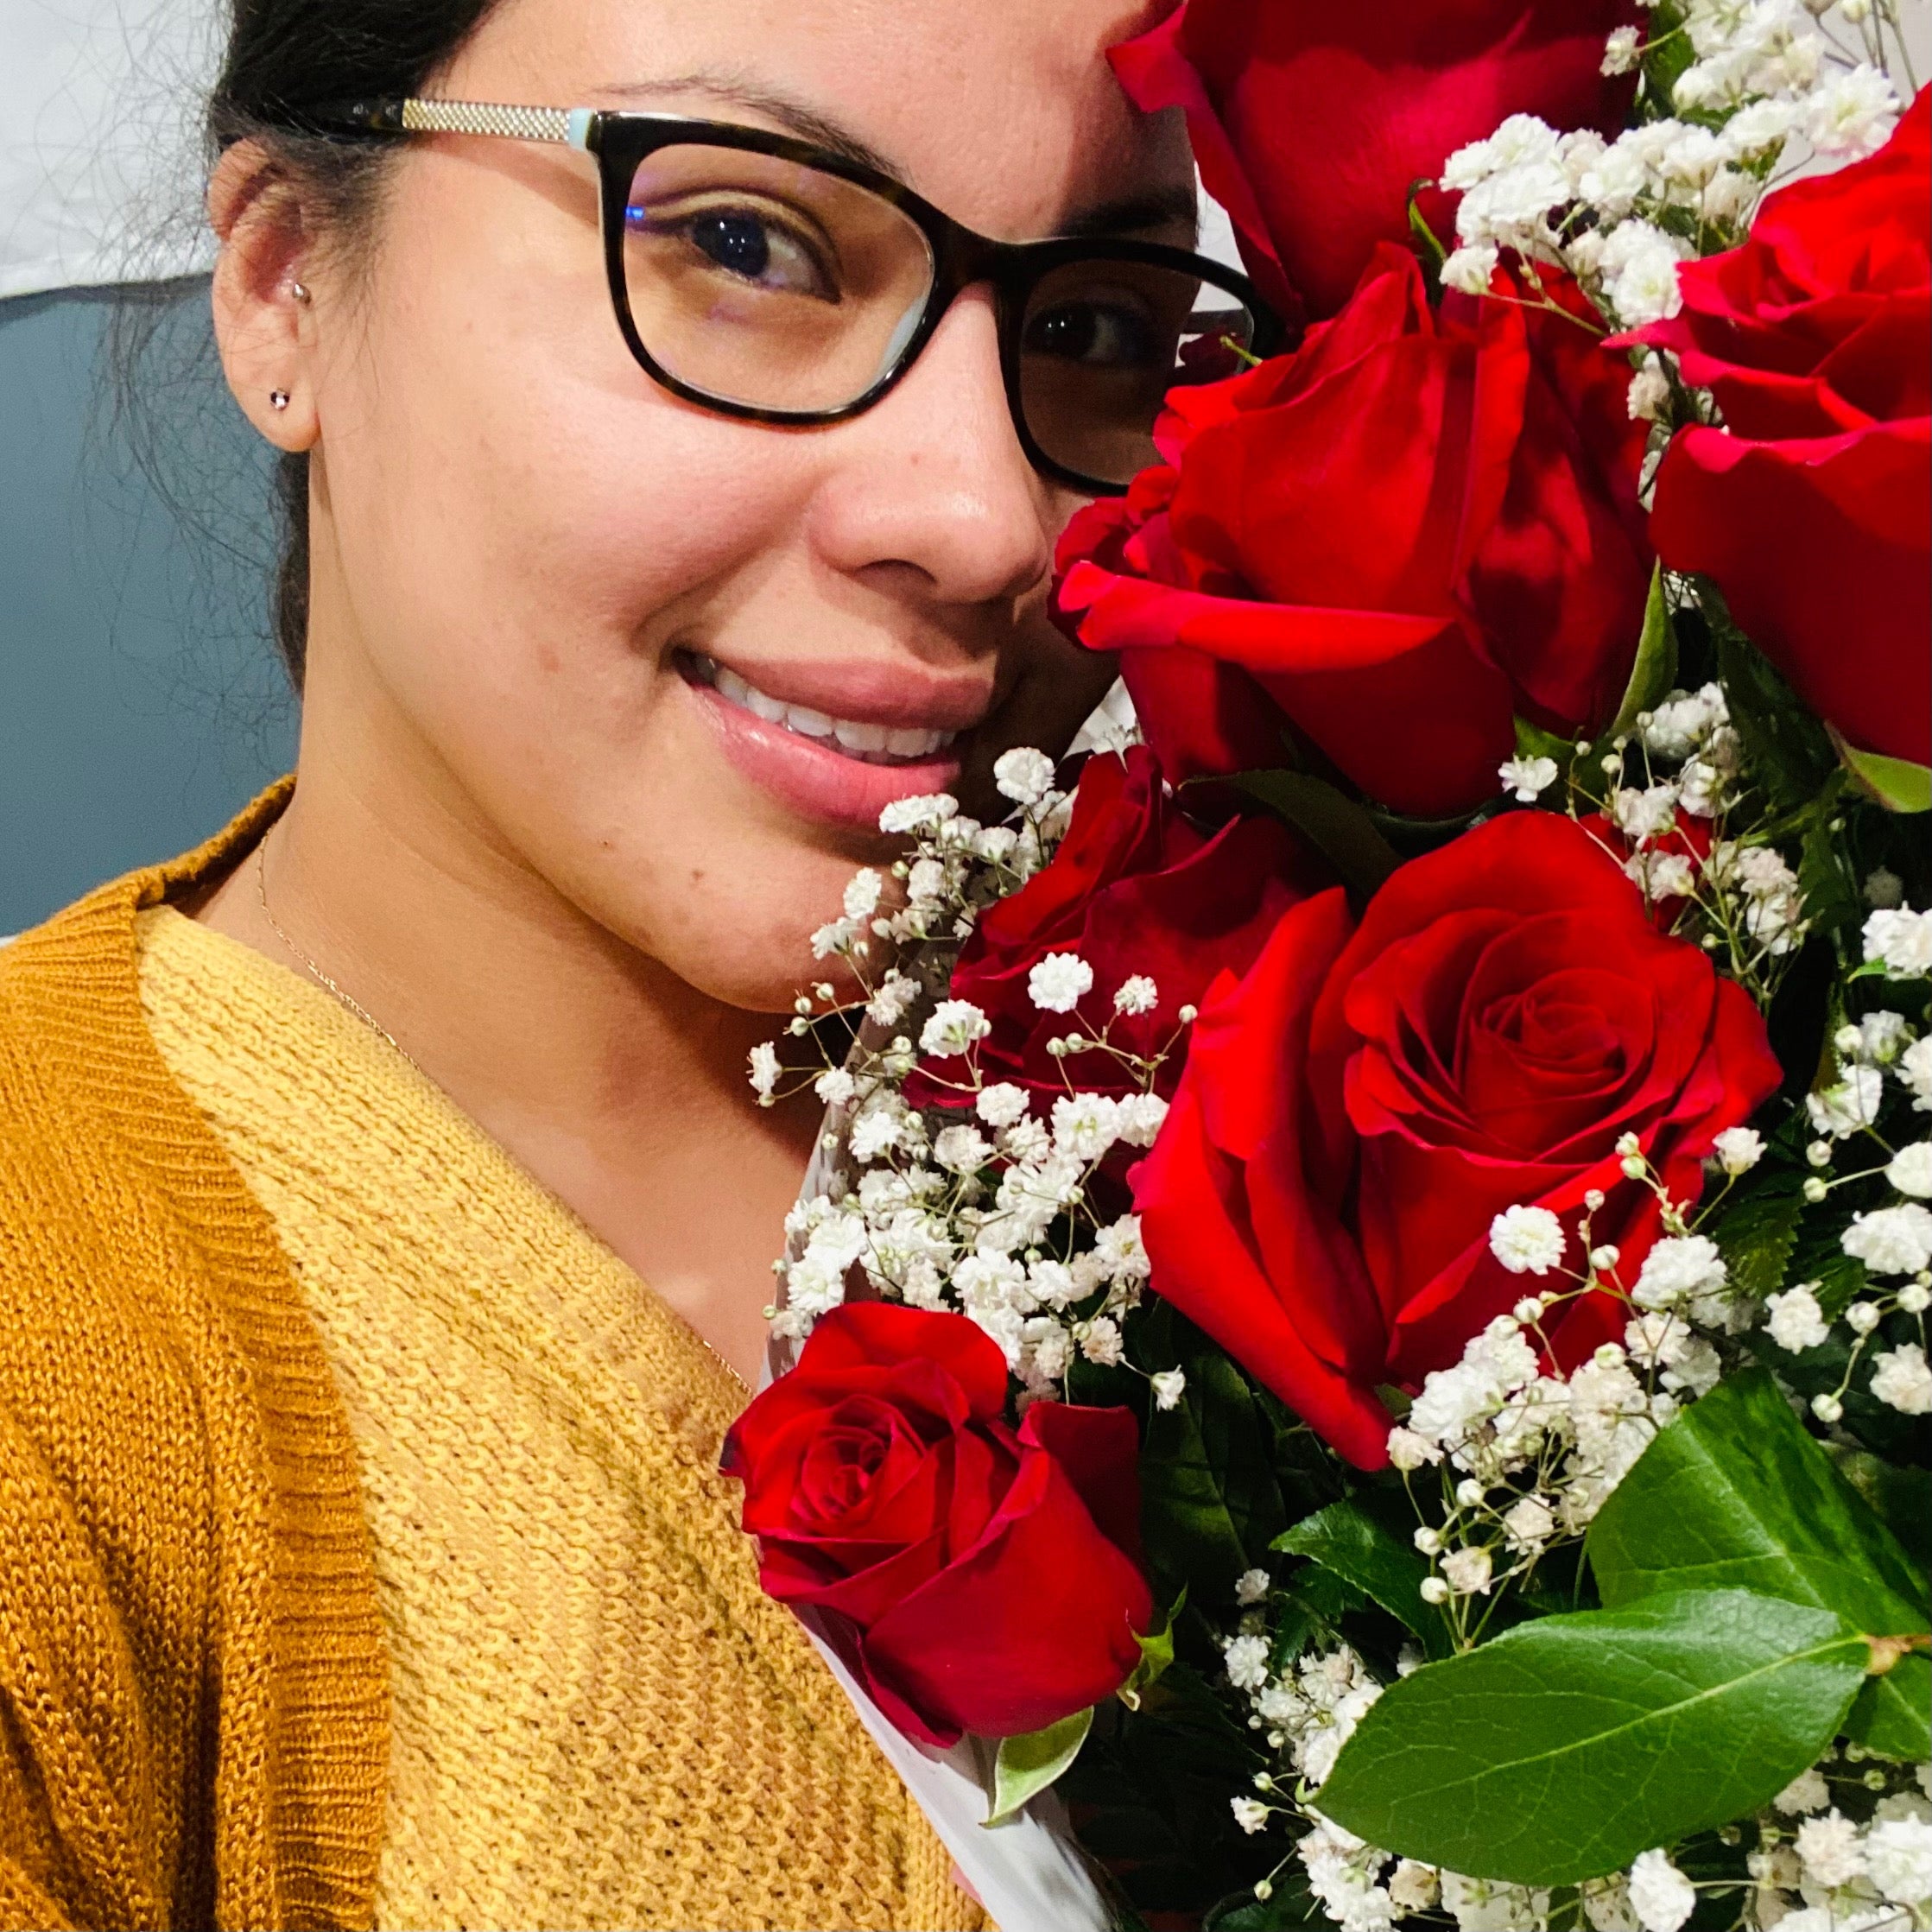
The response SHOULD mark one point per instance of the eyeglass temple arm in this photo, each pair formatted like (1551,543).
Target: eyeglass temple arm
(565,126)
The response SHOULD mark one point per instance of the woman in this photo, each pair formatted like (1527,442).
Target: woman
(365,1558)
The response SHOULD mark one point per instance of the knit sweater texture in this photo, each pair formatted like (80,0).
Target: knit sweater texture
(364,1556)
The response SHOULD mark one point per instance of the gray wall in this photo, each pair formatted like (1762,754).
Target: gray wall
(141,702)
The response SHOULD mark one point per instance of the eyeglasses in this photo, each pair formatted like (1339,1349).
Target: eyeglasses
(765,278)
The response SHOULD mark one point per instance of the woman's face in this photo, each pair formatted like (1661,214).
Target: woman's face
(529,556)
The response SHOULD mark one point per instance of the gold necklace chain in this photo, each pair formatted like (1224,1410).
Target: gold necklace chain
(315,971)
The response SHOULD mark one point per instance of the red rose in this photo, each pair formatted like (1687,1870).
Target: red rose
(1357,1109)
(1311,122)
(1413,527)
(978,1577)
(1812,508)
(1134,888)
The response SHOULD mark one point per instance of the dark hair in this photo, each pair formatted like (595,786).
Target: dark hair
(284,57)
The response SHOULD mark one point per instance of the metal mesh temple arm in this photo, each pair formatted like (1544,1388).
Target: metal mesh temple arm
(567,126)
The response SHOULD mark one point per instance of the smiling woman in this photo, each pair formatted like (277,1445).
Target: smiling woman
(384,1218)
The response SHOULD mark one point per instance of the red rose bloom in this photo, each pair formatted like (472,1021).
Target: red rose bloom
(979,1578)
(1310,123)
(1812,509)
(1392,540)
(1134,888)
(1359,1107)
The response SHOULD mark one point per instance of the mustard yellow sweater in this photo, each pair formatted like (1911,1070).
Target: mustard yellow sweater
(362,1554)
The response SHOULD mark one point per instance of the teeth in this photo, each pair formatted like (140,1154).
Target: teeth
(874,743)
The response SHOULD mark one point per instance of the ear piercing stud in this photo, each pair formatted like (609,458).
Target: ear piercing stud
(278,400)
(299,290)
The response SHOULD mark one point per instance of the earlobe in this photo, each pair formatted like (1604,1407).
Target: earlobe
(263,309)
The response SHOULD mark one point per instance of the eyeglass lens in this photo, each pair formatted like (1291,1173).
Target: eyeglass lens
(762,282)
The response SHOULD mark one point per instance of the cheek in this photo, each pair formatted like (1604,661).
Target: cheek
(521,522)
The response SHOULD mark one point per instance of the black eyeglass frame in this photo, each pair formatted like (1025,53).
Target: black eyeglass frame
(621,142)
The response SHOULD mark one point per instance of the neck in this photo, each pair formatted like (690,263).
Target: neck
(615,1084)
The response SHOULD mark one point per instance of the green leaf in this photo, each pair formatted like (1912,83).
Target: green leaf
(1786,749)
(1756,1237)
(1157,1655)
(1347,1539)
(1532,741)
(1892,1715)
(1564,1748)
(1027,1765)
(1735,1494)
(1902,1497)
(1209,1499)
(1896,783)
(1656,669)
(1338,828)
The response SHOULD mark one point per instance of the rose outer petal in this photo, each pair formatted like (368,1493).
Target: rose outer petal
(1037,1623)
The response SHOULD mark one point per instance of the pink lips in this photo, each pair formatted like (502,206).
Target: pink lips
(813,776)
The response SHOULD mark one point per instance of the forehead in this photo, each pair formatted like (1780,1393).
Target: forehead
(1002,112)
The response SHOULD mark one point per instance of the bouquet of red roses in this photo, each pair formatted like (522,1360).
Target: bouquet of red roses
(1366,1309)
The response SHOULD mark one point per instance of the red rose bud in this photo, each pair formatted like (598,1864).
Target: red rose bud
(1311,122)
(1416,526)
(978,1578)
(1812,508)
(1139,893)
(1358,1108)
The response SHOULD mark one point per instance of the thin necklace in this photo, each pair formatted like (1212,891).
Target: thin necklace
(315,971)
(376,1026)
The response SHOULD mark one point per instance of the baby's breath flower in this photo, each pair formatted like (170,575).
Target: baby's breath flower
(1909,1169)
(1527,1240)
(1891,1240)
(1169,1386)
(765,1070)
(1024,774)
(1902,1379)
(1527,778)
(924,814)
(1901,941)
(1251,1814)
(954,1025)
(1660,1895)
(1738,1150)
(1794,1319)
(1058,982)
(1247,1662)
(1470,269)
(1136,994)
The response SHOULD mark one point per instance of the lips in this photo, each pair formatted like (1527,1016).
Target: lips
(839,742)
(856,737)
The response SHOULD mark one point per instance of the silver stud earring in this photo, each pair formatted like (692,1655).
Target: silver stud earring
(278,400)
(299,290)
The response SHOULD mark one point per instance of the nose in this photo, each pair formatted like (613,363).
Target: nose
(930,491)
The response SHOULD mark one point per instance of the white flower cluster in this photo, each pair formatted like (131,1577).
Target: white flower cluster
(985,1205)
(1894,1241)
(1670,789)
(1621,215)
(1816,1869)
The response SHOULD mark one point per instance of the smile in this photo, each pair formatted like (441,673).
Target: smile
(855,737)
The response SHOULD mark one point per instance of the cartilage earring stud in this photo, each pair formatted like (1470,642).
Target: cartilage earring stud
(278,399)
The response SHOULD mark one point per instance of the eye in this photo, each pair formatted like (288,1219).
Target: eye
(1098,335)
(750,245)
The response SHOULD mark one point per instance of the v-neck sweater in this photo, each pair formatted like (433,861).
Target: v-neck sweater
(366,1557)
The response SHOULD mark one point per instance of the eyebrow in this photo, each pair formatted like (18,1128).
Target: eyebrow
(791,114)
(1170,206)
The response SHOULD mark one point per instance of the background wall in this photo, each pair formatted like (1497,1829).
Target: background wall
(140,700)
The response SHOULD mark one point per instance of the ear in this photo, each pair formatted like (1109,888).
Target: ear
(264,300)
